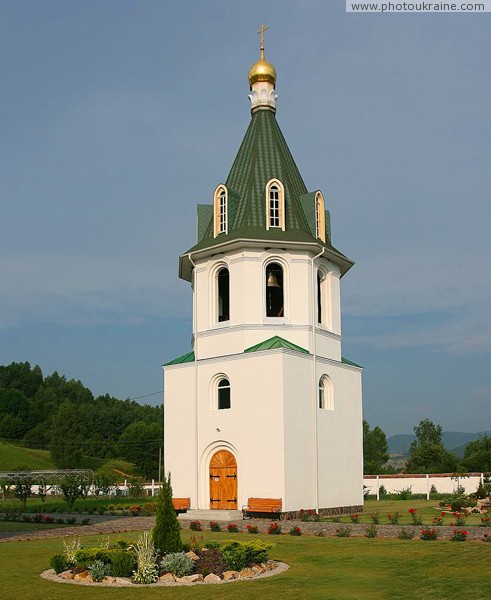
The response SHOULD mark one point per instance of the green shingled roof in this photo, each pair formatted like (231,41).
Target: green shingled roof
(345,361)
(262,156)
(275,342)
(185,358)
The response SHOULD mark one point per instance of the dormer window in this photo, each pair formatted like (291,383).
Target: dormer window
(220,206)
(275,205)
(320,217)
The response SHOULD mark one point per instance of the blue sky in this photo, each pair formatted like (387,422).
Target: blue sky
(118,117)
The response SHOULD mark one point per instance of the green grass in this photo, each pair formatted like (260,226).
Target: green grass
(21,526)
(58,505)
(321,568)
(12,457)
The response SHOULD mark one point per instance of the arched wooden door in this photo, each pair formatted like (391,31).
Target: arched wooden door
(223,481)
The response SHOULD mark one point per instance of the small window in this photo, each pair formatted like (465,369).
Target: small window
(320,217)
(275,209)
(326,401)
(274,291)
(319,297)
(223,295)
(220,208)
(223,394)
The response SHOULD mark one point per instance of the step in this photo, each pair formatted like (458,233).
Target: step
(210,515)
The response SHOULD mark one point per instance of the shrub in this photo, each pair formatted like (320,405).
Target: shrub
(458,536)
(485,521)
(457,505)
(459,519)
(405,494)
(393,518)
(178,563)
(87,556)
(71,549)
(295,531)
(371,531)
(211,561)
(238,555)
(98,570)
(232,528)
(428,534)
(486,538)
(382,492)
(85,521)
(336,519)
(150,507)
(212,545)
(375,518)
(195,526)
(71,520)
(122,563)
(252,529)
(343,531)
(58,563)
(416,520)
(167,531)
(355,518)
(60,521)
(146,559)
(214,526)
(438,521)
(406,534)
(274,529)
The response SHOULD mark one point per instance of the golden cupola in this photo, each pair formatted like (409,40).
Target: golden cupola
(262,81)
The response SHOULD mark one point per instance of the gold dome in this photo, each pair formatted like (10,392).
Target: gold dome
(262,70)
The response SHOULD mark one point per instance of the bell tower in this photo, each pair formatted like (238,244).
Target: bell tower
(265,387)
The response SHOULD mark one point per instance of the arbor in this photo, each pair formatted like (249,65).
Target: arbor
(374,450)
(477,455)
(139,443)
(166,533)
(427,454)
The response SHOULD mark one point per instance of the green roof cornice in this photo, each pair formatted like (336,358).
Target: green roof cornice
(185,358)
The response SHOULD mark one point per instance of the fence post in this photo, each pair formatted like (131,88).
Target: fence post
(378,488)
(153,487)
(427,486)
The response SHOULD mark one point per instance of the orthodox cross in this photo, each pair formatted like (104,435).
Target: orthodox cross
(261,30)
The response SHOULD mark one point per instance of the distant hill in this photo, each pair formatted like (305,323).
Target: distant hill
(452,440)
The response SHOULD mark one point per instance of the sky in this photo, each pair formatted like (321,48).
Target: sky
(119,117)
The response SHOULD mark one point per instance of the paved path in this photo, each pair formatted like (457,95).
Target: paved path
(120,525)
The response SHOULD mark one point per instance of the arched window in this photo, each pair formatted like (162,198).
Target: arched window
(320,217)
(319,297)
(274,291)
(326,401)
(223,295)
(223,394)
(275,205)
(220,208)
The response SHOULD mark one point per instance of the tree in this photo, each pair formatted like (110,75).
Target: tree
(139,443)
(70,488)
(103,483)
(166,533)
(477,455)
(23,489)
(374,450)
(65,446)
(427,454)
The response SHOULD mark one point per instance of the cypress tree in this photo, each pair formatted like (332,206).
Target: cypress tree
(167,531)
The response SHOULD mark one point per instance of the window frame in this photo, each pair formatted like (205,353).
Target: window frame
(320,217)
(220,387)
(279,217)
(325,393)
(220,207)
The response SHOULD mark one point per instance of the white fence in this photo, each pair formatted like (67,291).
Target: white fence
(445,483)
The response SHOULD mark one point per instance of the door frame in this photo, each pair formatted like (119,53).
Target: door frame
(203,502)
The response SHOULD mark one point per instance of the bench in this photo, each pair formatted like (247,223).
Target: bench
(262,505)
(181,504)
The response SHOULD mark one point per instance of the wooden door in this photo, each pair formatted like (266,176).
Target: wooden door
(223,481)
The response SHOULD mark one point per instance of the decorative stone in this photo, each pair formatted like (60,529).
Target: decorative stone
(211,578)
(258,570)
(167,578)
(190,578)
(89,579)
(192,555)
(66,575)
(245,573)
(228,575)
(81,576)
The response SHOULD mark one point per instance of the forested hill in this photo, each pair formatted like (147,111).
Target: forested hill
(64,416)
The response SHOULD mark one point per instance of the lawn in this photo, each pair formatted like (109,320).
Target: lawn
(21,526)
(321,568)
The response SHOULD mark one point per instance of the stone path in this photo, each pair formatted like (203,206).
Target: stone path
(120,525)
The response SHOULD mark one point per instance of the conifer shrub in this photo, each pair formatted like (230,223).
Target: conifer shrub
(58,563)
(178,563)
(166,533)
(122,563)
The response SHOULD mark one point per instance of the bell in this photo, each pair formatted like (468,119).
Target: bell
(272,281)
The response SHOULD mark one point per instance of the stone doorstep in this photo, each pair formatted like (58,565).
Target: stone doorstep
(210,515)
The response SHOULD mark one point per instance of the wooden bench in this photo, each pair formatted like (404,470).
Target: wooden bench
(181,504)
(262,505)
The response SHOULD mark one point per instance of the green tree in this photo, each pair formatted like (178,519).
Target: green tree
(66,443)
(139,443)
(427,454)
(374,450)
(23,489)
(70,488)
(477,455)
(103,483)
(166,533)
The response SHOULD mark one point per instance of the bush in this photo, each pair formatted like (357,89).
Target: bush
(58,563)
(87,556)
(238,555)
(371,531)
(71,520)
(375,518)
(252,529)
(274,529)
(215,526)
(405,493)
(232,528)
(122,563)
(406,534)
(195,526)
(458,536)
(98,570)
(212,545)
(343,531)
(428,534)
(295,531)
(167,531)
(382,492)
(355,518)
(146,560)
(178,563)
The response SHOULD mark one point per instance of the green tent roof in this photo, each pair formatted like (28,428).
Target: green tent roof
(275,342)
(262,156)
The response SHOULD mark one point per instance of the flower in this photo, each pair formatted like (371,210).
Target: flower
(412,511)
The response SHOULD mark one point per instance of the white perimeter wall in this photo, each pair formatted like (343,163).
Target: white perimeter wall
(445,483)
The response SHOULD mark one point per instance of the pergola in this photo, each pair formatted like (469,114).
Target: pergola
(49,477)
